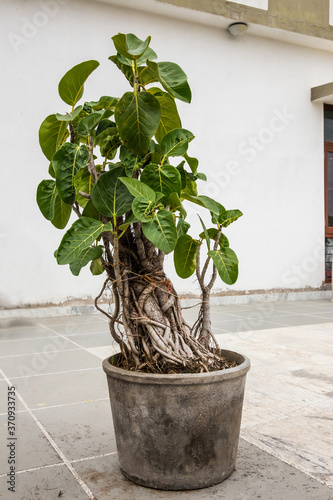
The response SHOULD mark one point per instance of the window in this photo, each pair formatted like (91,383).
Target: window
(328,137)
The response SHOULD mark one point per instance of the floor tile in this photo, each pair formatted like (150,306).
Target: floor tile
(80,431)
(63,388)
(48,362)
(51,483)
(32,449)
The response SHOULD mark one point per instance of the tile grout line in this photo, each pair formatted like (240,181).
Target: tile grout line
(66,338)
(52,443)
(35,352)
(60,464)
(60,406)
(56,373)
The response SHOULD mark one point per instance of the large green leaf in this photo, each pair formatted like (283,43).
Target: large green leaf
(185,256)
(110,196)
(62,213)
(226,263)
(137,116)
(46,195)
(228,216)
(71,85)
(52,134)
(162,178)
(78,238)
(161,230)
(66,162)
(142,208)
(169,114)
(172,78)
(175,142)
(86,256)
(130,46)
(138,188)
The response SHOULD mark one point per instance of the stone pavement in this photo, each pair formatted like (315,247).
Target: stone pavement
(65,447)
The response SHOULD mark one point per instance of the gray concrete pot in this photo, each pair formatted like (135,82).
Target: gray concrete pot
(177,432)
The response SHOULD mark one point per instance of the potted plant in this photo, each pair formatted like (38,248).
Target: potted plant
(121,165)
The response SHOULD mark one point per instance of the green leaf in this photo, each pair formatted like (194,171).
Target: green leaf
(228,216)
(104,102)
(79,237)
(162,178)
(172,78)
(138,188)
(184,256)
(129,160)
(182,226)
(88,123)
(66,162)
(175,204)
(142,208)
(161,230)
(204,201)
(226,263)
(193,163)
(207,238)
(83,181)
(71,85)
(52,134)
(137,116)
(103,128)
(62,213)
(91,211)
(96,267)
(124,68)
(169,114)
(108,142)
(110,196)
(175,142)
(130,46)
(46,195)
(212,233)
(69,117)
(86,256)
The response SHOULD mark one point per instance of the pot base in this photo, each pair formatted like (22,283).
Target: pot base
(172,487)
(177,432)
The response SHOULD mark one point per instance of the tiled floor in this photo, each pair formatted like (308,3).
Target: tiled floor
(65,445)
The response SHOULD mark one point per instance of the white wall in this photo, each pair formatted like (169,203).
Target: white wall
(258,137)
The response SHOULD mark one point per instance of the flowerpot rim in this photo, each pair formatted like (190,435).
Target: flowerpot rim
(183,378)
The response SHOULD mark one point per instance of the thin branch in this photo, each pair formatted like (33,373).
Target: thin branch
(84,195)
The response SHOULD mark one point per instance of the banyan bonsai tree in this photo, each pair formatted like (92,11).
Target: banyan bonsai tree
(121,165)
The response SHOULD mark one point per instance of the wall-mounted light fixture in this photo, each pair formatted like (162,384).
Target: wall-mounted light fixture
(237,29)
